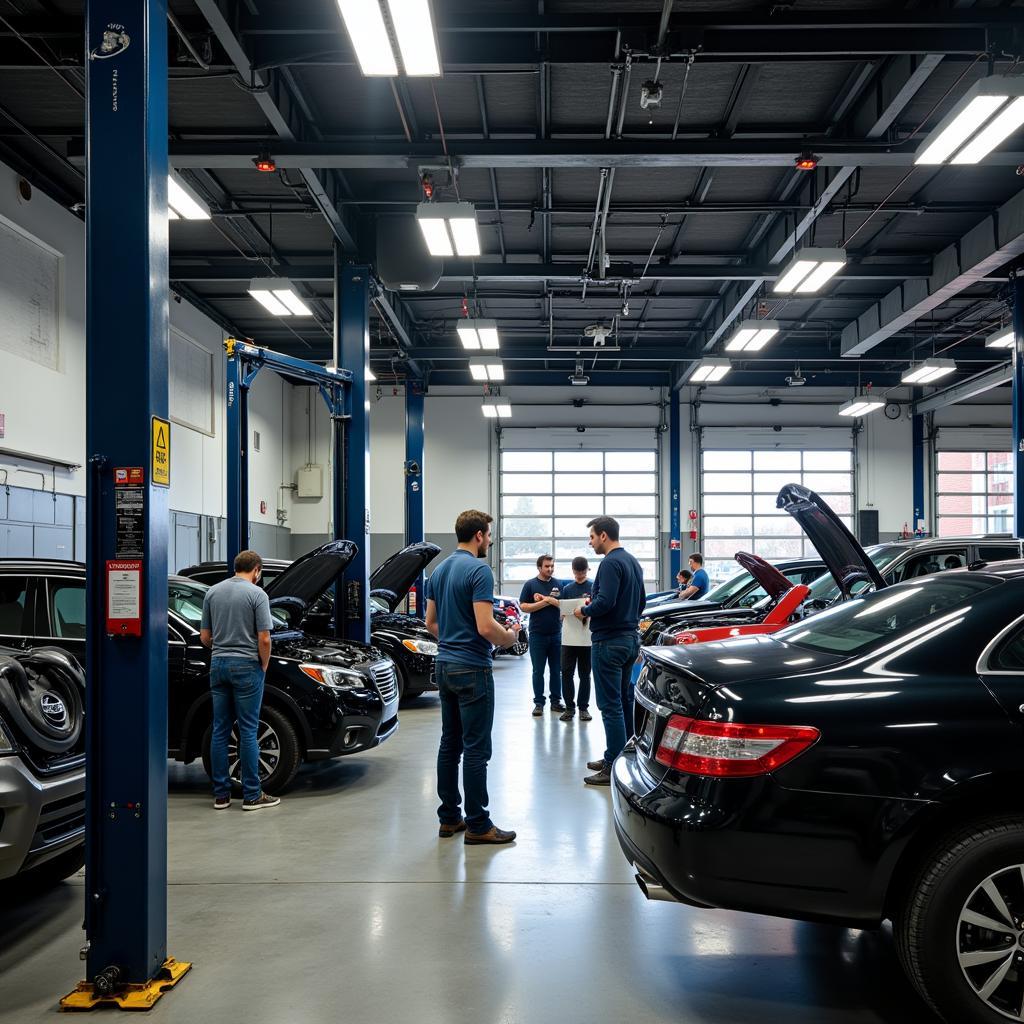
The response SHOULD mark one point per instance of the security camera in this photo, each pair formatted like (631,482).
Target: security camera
(777,429)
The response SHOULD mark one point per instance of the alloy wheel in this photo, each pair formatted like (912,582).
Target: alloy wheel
(269,752)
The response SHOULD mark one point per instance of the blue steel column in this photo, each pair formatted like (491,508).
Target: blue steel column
(675,459)
(414,444)
(917,469)
(237,402)
(354,355)
(126,385)
(1017,288)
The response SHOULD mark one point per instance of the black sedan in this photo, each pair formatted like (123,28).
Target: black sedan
(861,765)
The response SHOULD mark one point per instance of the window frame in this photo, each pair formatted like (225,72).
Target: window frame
(988,494)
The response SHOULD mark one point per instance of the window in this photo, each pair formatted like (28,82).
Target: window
(932,561)
(973,493)
(998,552)
(186,601)
(67,609)
(548,497)
(1010,655)
(13,599)
(740,488)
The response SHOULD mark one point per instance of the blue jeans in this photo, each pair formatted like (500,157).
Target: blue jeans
(237,688)
(467,715)
(613,686)
(546,650)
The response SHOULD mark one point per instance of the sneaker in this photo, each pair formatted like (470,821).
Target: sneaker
(446,831)
(585,715)
(567,716)
(264,800)
(597,766)
(494,836)
(221,803)
(557,706)
(538,711)
(601,778)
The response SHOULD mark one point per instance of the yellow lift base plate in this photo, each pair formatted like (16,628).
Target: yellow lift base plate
(131,997)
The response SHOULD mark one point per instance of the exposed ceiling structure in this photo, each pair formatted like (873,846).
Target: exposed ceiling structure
(664,224)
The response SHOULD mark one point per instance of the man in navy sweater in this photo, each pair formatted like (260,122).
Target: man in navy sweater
(614,612)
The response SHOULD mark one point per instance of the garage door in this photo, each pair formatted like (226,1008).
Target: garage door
(739,488)
(973,492)
(547,498)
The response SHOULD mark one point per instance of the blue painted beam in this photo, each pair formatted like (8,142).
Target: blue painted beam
(126,386)
(236,531)
(414,477)
(1017,290)
(675,458)
(917,470)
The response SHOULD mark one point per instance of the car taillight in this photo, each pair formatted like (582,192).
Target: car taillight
(730,750)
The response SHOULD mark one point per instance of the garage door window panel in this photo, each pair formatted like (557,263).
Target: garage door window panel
(526,505)
(973,493)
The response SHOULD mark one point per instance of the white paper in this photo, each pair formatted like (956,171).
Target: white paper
(124,595)
(574,632)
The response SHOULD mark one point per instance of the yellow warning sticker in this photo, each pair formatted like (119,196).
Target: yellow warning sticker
(161,452)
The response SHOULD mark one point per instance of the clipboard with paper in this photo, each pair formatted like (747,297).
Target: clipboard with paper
(574,632)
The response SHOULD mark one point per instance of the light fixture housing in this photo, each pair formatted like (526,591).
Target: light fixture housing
(809,270)
(411,25)
(278,296)
(709,370)
(370,376)
(496,407)
(752,335)
(484,369)
(929,371)
(987,114)
(183,202)
(478,334)
(862,405)
(1003,338)
(449,229)
(579,379)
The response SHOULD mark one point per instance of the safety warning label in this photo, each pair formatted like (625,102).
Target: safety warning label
(161,452)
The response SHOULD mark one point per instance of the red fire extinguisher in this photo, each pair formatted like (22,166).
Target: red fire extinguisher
(692,516)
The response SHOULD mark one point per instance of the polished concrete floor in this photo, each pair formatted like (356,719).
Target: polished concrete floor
(342,905)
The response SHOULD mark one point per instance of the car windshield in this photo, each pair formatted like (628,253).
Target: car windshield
(864,621)
(824,588)
(186,600)
(728,588)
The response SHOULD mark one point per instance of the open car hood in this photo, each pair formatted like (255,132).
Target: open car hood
(773,582)
(393,578)
(310,576)
(844,558)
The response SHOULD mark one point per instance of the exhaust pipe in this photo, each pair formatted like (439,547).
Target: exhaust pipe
(652,889)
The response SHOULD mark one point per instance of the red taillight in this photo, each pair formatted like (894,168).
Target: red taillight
(730,750)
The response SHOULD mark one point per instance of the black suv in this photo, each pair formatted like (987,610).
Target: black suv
(324,698)
(404,638)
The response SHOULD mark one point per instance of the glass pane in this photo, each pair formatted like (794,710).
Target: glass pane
(962,504)
(650,570)
(961,462)
(827,481)
(841,504)
(642,548)
(525,549)
(519,571)
(579,483)
(959,526)
(728,483)
(1001,480)
(573,528)
(525,483)
(727,526)
(1001,523)
(526,527)
(721,549)
(727,504)
(565,552)
(764,505)
(1000,461)
(635,528)
(828,461)
(726,460)
(778,547)
(576,462)
(777,460)
(638,462)
(718,570)
(579,505)
(772,483)
(631,483)
(528,462)
(961,483)
(777,526)
(631,505)
(526,505)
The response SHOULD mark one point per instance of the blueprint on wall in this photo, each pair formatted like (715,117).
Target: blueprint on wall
(30,298)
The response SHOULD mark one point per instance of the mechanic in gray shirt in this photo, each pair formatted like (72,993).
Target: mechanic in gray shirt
(237,624)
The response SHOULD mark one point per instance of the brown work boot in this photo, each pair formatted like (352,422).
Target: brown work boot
(494,836)
(601,778)
(446,831)
(597,766)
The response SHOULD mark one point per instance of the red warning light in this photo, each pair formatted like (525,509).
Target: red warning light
(265,163)
(807,161)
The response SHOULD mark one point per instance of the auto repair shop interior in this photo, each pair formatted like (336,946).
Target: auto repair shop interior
(313,278)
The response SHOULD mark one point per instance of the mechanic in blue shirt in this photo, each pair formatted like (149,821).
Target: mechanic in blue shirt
(699,582)
(460,613)
(614,612)
(539,598)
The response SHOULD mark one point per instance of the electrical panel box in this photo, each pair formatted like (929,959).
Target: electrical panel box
(310,482)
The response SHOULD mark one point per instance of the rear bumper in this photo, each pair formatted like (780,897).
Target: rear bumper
(39,818)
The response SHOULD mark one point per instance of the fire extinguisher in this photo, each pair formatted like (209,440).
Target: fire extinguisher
(692,516)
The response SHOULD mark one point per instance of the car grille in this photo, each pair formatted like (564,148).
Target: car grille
(59,821)
(385,680)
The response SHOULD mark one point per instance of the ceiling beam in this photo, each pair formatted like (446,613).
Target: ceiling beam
(966,390)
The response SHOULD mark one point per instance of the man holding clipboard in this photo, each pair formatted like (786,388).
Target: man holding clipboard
(576,642)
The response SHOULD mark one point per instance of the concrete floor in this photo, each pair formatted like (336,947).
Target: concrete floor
(342,905)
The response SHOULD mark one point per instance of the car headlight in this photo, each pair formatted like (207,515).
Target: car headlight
(427,647)
(336,678)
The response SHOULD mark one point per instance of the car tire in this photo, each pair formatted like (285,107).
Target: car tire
(949,956)
(276,728)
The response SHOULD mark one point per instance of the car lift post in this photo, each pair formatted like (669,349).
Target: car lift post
(917,469)
(414,443)
(352,334)
(1017,291)
(128,449)
(675,459)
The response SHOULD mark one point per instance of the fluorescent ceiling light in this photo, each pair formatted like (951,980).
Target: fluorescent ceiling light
(477,335)
(486,369)
(752,335)
(364,21)
(710,370)
(449,229)
(414,29)
(929,371)
(861,407)
(809,270)
(278,296)
(990,111)
(183,201)
(496,406)
(1003,338)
